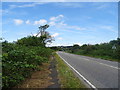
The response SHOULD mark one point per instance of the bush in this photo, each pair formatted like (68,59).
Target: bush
(19,62)
(103,50)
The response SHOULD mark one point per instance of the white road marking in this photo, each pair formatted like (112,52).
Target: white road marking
(78,73)
(101,63)
(86,59)
(109,66)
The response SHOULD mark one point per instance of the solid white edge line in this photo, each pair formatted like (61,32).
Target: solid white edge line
(78,73)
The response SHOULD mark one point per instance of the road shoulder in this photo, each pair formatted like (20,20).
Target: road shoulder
(67,78)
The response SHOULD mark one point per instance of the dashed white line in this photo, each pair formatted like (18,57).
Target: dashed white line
(86,59)
(102,63)
(109,66)
(88,82)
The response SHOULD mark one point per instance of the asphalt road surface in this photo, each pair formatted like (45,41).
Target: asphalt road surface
(97,73)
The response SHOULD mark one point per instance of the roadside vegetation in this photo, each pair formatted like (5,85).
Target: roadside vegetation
(66,76)
(26,57)
(108,51)
(21,58)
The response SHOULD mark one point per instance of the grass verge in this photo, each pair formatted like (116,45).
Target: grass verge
(66,76)
(95,56)
(101,57)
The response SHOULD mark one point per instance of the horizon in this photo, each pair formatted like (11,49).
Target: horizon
(66,45)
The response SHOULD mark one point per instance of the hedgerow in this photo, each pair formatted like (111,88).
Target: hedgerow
(19,61)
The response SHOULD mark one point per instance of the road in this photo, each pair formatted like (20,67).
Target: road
(97,73)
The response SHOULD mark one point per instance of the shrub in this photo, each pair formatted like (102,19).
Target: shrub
(18,63)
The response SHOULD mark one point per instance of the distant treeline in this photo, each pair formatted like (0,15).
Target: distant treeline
(109,50)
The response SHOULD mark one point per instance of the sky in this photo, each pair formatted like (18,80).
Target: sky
(70,22)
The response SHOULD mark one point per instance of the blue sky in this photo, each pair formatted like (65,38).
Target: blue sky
(70,23)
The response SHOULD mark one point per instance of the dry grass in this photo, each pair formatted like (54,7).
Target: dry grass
(39,79)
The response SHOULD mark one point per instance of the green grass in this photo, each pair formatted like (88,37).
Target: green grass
(96,56)
(66,76)
(101,57)
(105,58)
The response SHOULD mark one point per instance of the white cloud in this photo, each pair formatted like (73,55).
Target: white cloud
(54,44)
(61,44)
(18,21)
(110,28)
(53,18)
(61,16)
(102,6)
(22,33)
(75,27)
(70,4)
(64,44)
(40,22)
(60,38)
(26,5)
(27,22)
(79,44)
(57,18)
(55,35)
(36,34)
(12,6)
(58,22)
(63,25)
(6,11)
(106,27)
(52,23)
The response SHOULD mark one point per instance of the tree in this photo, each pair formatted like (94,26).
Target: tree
(46,38)
(75,48)
(30,41)
(42,30)
(44,35)
(37,40)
